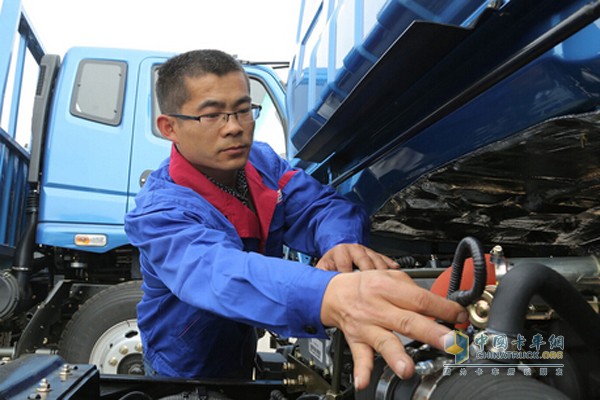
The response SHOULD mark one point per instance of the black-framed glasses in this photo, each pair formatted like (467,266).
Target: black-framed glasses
(219,119)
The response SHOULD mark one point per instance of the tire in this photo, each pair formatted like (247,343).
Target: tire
(104,332)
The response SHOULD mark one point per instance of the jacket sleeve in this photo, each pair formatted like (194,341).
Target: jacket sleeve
(207,268)
(317,218)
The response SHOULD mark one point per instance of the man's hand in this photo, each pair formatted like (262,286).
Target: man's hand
(370,306)
(344,256)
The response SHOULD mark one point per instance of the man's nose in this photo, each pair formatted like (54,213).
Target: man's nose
(232,125)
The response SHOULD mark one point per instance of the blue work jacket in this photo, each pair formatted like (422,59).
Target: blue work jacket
(212,269)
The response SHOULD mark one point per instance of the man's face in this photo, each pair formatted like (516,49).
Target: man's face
(215,151)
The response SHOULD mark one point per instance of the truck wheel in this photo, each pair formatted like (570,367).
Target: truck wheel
(104,332)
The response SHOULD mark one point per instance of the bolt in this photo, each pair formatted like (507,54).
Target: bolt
(113,361)
(424,367)
(425,347)
(124,350)
(65,371)
(497,250)
(496,254)
(482,308)
(135,369)
(44,386)
(288,366)
(138,347)
(532,308)
(348,367)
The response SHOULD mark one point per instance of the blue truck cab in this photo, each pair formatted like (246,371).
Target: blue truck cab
(102,141)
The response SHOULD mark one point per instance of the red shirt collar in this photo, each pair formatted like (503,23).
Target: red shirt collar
(246,223)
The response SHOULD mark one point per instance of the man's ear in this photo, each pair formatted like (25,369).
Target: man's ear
(166,126)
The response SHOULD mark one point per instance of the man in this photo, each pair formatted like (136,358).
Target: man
(210,224)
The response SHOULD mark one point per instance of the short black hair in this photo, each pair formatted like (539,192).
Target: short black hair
(171,92)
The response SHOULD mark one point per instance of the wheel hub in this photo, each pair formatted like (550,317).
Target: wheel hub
(119,350)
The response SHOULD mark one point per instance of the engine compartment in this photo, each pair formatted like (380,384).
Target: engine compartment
(536,193)
(533,333)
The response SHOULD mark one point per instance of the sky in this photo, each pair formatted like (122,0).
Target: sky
(257,30)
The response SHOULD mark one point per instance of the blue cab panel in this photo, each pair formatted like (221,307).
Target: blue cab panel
(87,159)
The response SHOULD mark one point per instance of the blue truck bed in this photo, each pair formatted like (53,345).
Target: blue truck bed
(14,159)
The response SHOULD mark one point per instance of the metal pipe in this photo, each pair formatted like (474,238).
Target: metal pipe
(7,352)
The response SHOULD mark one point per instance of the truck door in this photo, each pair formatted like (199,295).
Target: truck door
(85,180)
(149,148)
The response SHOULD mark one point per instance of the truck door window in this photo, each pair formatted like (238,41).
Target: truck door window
(155,108)
(98,91)
(269,127)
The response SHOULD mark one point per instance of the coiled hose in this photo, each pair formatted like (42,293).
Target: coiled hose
(467,246)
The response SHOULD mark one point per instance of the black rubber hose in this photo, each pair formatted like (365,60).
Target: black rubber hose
(467,246)
(24,252)
(512,297)
(489,387)
(23,258)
